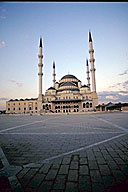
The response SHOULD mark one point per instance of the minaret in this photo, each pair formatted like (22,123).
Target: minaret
(88,78)
(92,60)
(54,74)
(40,65)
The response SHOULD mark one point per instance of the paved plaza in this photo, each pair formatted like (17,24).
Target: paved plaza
(64,153)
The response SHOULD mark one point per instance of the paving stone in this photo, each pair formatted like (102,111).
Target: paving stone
(74,165)
(66,160)
(45,168)
(97,187)
(36,181)
(108,181)
(60,182)
(51,174)
(64,169)
(22,172)
(90,155)
(71,187)
(124,169)
(83,161)
(84,183)
(112,164)
(92,164)
(101,161)
(101,167)
(119,176)
(104,169)
(83,170)
(75,158)
(45,186)
(119,161)
(27,177)
(73,175)
(95,176)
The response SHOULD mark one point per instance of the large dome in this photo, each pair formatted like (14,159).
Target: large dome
(68,83)
(69,76)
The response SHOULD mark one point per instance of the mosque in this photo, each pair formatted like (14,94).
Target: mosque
(66,96)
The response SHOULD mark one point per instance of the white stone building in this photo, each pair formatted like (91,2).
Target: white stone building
(66,96)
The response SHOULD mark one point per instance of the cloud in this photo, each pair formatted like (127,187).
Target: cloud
(113,96)
(125,93)
(125,84)
(3,99)
(124,73)
(2,43)
(2,13)
(18,84)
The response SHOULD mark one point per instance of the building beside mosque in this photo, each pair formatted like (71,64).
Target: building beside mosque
(66,96)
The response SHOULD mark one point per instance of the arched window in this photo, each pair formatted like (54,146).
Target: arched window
(87,105)
(83,105)
(90,104)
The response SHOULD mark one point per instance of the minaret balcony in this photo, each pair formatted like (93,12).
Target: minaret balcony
(40,56)
(40,74)
(92,69)
(92,60)
(91,50)
(40,65)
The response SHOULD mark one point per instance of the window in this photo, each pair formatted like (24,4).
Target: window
(8,109)
(19,103)
(83,105)
(87,105)
(14,109)
(13,103)
(24,103)
(24,108)
(90,104)
(19,108)
(8,104)
(35,108)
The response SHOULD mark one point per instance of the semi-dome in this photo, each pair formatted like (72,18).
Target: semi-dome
(51,88)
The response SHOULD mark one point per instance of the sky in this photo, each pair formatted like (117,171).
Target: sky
(64,28)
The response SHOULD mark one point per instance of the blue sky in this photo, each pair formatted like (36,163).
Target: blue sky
(64,28)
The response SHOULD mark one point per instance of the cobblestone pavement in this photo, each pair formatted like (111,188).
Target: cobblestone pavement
(64,153)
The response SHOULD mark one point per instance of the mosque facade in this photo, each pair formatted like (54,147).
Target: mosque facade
(66,96)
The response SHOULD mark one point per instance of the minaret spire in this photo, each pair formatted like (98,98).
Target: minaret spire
(40,42)
(88,78)
(40,65)
(90,37)
(92,60)
(54,74)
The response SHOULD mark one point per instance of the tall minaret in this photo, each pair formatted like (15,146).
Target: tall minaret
(54,74)
(92,60)
(88,78)
(40,65)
